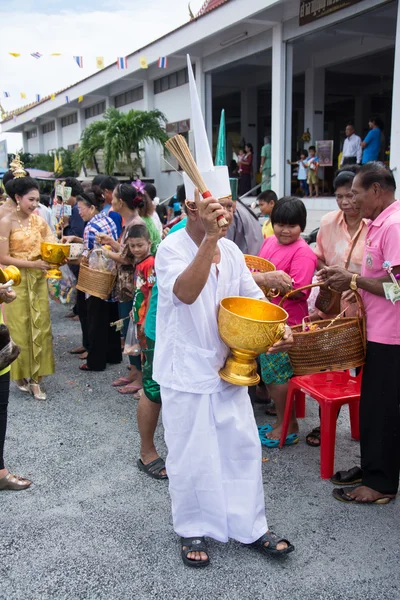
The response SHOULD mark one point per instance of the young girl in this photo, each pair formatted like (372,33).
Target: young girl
(291,254)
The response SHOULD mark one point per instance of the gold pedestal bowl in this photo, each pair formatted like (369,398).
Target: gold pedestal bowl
(55,255)
(10,273)
(249,327)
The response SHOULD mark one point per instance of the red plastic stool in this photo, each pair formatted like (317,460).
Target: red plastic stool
(331,390)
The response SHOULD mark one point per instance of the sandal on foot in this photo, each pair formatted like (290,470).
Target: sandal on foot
(315,434)
(14,482)
(350,477)
(194,544)
(121,381)
(273,540)
(23,385)
(291,439)
(343,496)
(263,429)
(130,389)
(153,469)
(79,350)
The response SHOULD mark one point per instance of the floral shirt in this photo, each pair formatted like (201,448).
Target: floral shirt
(145,278)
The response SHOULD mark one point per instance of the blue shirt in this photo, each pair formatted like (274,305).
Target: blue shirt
(373,139)
(76,224)
(114,216)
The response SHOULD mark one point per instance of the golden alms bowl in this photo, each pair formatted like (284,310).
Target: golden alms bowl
(249,327)
(10,273)
(55,255)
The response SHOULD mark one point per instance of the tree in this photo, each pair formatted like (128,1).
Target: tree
(120,135)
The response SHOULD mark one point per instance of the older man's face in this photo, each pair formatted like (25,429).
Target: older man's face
(349,130)
(366,201)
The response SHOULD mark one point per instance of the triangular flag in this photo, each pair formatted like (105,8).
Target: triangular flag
(23,95)
(36,54)
(220,154)
(53,97)
(6,94)
(143,62)
(79,61)
(55,54)
(14,54)
(99,62)
(80,99)
(67,99)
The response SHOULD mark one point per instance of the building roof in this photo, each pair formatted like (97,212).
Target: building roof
(208,6)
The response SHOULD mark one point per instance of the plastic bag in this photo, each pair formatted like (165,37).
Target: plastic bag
(132,346)
(99,261)
(63,291)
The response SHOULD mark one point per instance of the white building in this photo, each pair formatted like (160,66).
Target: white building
(278,67)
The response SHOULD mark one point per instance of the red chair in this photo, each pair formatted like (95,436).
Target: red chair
(331,390)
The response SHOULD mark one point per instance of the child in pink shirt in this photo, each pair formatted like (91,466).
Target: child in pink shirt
(291,254)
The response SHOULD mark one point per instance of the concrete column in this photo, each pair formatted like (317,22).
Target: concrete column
(278,112)
(110,103)
(395,131)
(314,103)
(40,137)
(288,120)
(59,140)
(25,141)
(208,106)
(148,95)
(81,121)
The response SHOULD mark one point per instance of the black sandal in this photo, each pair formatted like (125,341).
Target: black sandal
(315,434)
(153,469)
(350,477)
(194,544)
(273,540)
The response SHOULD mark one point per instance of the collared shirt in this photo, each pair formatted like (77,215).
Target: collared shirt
(100,223)
(352,148)
(189,351)
(382,244)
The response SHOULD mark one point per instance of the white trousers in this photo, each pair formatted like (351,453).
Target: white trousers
(214,465)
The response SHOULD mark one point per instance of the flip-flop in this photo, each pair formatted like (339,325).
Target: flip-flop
(273,540)
(291,439)
(343,496)
(316,435)
(194,545)
(350,477)
(130,389)
(264,428)
(121,381)
(153,468)
(77,350)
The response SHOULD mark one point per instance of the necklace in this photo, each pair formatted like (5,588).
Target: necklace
(26,229)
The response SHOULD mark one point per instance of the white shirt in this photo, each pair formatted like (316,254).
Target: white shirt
(157,222)
(189,351)
(352,148)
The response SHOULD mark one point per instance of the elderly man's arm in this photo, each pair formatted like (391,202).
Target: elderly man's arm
(339,280)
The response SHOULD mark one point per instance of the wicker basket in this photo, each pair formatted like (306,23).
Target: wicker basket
(256,264)
(94,282)
(335,346)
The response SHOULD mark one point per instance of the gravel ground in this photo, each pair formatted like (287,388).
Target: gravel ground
(93,527)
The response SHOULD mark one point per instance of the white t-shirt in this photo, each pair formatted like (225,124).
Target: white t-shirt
(189,351)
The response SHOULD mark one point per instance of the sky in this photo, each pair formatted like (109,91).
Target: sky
(88,28)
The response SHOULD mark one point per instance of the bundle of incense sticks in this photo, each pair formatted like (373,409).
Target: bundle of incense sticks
(178,147)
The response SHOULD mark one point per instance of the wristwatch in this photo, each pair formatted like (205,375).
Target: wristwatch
(353,283)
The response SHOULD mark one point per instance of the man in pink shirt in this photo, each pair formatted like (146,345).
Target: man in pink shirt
(374,193)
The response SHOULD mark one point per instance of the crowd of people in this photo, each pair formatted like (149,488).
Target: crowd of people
(169,283)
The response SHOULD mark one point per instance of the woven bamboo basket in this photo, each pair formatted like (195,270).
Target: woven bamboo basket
(256,264)
(335,346)
(94,282)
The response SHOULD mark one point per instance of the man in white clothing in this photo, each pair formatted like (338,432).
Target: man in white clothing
(352,150)
(214,452)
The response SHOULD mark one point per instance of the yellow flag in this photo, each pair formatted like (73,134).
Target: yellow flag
(23,95)
(14,54)
(80,99)
(99,62)
(56,164)
(55,54)
(60,167)
(143,62)
(53,97)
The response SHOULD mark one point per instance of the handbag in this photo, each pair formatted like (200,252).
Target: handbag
(329,301)
(8,350)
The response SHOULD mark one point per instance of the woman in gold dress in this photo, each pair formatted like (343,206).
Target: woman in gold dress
(28,317)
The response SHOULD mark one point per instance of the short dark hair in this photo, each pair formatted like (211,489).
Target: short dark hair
(75,185)
(92,197)
(348,169)
(267,196)
(376,172)
(312,148)
(180,194)
(151,190)
(249,146)
(303,153)
(289,211)
(45,200)
(98,179)
(350,125)
(109,183)
(20,186)
(343,178)
(138,231)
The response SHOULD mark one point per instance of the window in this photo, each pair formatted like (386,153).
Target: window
(49,127)
(95,110)
(31,134)
(183,128)
(129,97)
(171,81)
(69,120)
(72,147)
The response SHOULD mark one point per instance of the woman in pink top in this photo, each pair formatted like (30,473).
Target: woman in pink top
(291,254)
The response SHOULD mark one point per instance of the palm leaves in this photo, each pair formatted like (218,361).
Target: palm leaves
(120,135)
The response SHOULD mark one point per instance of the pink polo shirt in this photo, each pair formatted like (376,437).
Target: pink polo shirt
(382,244)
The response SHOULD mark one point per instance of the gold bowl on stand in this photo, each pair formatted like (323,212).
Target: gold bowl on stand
(10,273)
(249,327)
(55,255)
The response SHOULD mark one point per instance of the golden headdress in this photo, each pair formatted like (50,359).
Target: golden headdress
(17,167)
